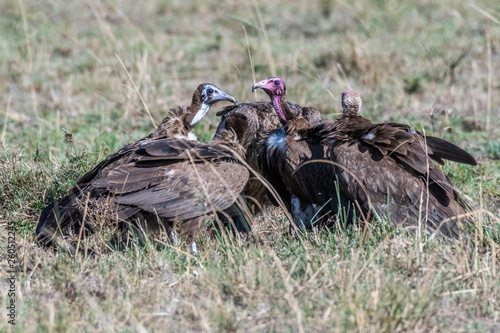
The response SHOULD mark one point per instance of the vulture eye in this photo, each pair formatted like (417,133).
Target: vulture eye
(210,91)
(276,83)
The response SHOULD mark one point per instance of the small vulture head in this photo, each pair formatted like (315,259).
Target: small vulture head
(275,88)
(205,96)
(351,103)
(211,94)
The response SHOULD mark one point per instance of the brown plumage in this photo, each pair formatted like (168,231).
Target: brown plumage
(280,154)
(385,169)
(260,118)
(136,163)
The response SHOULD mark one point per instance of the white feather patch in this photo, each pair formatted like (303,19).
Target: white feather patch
(277,140)
(369,136)
(169,173)
(192,137)
(180,136)
(297,137)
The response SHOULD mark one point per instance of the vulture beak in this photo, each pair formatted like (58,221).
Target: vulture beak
(219,95)
(260,85)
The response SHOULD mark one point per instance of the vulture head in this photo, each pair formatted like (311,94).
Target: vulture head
(351,103)
(204,97)
(276,90)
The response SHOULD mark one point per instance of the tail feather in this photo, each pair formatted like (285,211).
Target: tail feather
(448,151)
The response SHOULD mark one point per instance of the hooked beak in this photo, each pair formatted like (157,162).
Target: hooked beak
(222,96)
(260,85)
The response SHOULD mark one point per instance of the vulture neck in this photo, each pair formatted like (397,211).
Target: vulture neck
(279,105)
(181,120)
(197,114)
(351,118)
(196,111)
(288,119)
(351,111)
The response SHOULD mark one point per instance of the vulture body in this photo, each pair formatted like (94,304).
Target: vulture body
(138,167)
(260,119)
(366,169)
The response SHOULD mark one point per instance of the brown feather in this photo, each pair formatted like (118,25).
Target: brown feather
(137,167)
(260,119)
(383,168)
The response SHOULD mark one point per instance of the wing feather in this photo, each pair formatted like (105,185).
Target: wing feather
(401,183)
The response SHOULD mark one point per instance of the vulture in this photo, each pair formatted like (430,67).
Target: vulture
(166,176)
(260,119)
(354,168)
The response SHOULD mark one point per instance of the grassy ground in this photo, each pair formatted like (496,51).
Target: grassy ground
(68,101)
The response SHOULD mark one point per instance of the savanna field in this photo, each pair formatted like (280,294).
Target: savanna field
(79,79)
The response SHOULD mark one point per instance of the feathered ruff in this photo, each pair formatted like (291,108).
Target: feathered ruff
(175,125)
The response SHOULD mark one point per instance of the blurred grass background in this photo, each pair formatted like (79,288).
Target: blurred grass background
(67,102)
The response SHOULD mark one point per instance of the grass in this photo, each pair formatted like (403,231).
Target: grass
(68,102)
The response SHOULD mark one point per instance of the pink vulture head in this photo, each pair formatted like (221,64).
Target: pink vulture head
(275,89)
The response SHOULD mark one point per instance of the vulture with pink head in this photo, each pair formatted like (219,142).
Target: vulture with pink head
(164,179)
(365,169)
(259,118)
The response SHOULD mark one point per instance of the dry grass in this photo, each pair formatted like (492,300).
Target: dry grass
(68,102)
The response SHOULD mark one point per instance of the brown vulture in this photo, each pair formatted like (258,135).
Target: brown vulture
(365,169)
(261,119)
(162,177)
